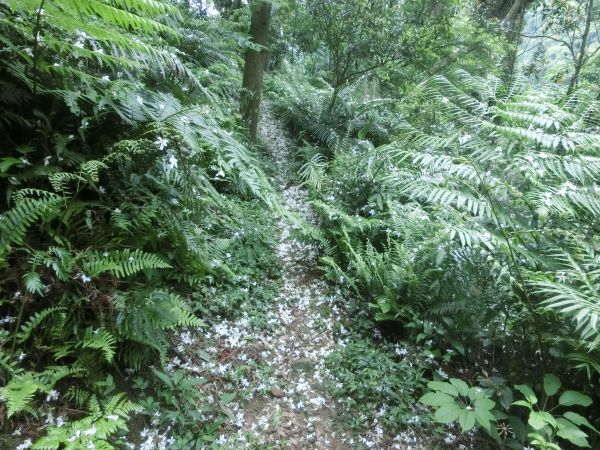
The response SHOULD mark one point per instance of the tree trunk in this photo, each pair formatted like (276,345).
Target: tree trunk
(334,97)
(514,38)
(254,65)
(581,55)
(511,15)
(515,9)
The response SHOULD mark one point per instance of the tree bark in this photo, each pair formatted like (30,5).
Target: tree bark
(581,55)
(515,9)
(254,65)
(511,15)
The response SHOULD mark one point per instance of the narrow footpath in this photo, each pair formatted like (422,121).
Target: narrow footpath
(270,379)
(297,413)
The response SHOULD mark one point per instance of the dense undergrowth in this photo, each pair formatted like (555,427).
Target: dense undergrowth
(131,207)
(459,215)
(469,228)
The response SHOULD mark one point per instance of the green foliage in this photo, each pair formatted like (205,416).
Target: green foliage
(120,263)
(463,211)
(547,425)
(368,379)
(126,186)
(94,430)
(27,210)
(21,389)
(456,401)
(476,218)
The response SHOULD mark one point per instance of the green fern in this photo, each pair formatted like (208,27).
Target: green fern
(120,263)
(100,339)
(35,320)
(16,221)
(105,421)
(19,393)
(22,388)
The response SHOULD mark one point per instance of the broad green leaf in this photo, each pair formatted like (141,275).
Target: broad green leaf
(484,404)
(539,419)
(505,397)
(384,304)
(460,348)
(442,386)
(484,418)
(447,413)
(163,377)
(538,439)
(436,399)
(227,411)
(227,397)
(527,392)
(551,384)
(518,427)
(499,415)
(578,419)
(476,393)
(570,398)
(467,419)
(569,431)
(524,403)
(460,385)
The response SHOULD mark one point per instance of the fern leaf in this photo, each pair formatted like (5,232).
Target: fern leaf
(100,339)
(35,320)
(120,263)
(15,222)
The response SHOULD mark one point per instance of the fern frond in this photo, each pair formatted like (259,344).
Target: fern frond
(120,263)
(100,339)
(35,320)
(581,303)
(312,173)
(15,222)
(19,392)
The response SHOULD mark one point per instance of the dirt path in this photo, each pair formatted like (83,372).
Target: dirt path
(296,412)
(275,372)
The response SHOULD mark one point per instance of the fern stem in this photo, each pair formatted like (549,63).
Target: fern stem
(36,44)
(19,320)
(519,273)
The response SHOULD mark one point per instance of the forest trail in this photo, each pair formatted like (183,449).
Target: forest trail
(296,412)
(288,406)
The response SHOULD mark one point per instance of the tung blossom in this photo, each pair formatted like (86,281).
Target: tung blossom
(24,445)
(161,142)
(172,163)
(52,395)
(464,139)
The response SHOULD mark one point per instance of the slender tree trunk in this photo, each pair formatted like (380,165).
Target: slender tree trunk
(581,55)
(514,37)
(511,17)
(514,10)
(254,65)
(334,97)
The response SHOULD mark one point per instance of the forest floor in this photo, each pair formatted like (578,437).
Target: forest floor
(276,370)
(297,411)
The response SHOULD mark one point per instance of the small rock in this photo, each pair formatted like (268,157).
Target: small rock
(303,365)
(276,392)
